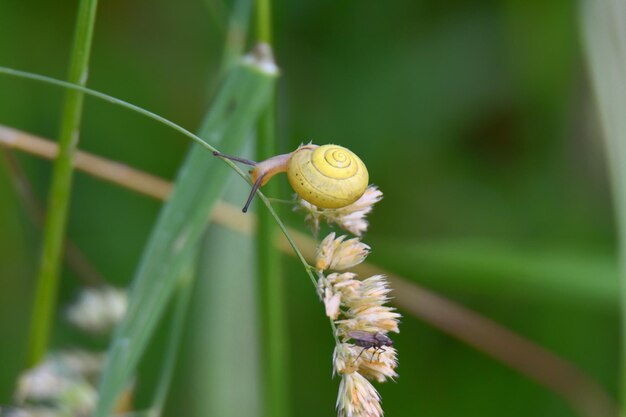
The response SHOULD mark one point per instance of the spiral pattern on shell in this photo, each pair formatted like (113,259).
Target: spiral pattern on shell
(328,176)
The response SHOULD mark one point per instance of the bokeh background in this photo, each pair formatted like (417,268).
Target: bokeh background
(476,120)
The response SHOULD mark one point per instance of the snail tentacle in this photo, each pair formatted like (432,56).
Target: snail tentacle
(235,158)
(255,188)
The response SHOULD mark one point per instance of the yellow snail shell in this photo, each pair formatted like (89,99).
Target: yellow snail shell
(327,176)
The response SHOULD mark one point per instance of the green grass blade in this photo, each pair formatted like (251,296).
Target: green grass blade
(604,33)
(181,303)
(233,48)
(236,34)
(225,346)
(60,190)
(182,220)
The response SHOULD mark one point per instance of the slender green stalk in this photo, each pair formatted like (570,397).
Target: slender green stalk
(272,288)
(604,24)
(264,21)
(58,200)
(118,102)
(272,315)
(181,304)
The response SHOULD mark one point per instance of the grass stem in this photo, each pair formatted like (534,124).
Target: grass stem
(271,285)
(60,191)
(264,21)
(271,280)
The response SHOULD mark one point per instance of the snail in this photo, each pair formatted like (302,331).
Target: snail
(328,176)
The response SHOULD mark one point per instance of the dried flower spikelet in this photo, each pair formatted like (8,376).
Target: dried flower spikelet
(357,397)
(337,289)
(343,359)
(345,284)
(332,304)
(350,218)
(374,290)
(376,366)
(338,255)
(367,311)
(326,250)
(98,310)
(331,300)
(370,319)
(379,366)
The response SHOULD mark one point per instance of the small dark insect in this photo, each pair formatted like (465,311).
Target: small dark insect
(368,340)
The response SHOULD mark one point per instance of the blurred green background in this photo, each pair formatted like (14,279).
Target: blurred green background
(475,118)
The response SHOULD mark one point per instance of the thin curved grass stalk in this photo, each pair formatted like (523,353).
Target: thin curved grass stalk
(105,97)
(119,102)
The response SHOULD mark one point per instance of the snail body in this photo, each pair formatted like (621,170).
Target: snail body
(328,176)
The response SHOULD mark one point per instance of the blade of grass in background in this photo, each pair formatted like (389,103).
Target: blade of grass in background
(60,190)
(216,295)
(604,32)
(273,317)
(225,366)
(237,33)
(181,302)
(199,185)
(218,358)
